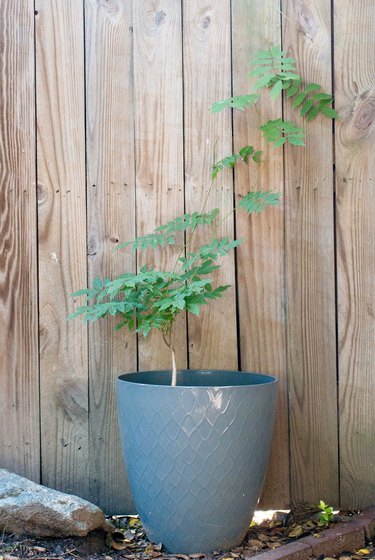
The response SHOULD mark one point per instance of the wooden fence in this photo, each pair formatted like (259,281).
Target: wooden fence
(105,133)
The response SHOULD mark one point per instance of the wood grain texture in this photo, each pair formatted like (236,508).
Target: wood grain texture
(19,396)
(354,26)
(260,259)
(159,145)
(111,219)
(208,138)
(62,243)
(310,268)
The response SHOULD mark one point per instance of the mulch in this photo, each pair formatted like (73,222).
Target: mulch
(128,541)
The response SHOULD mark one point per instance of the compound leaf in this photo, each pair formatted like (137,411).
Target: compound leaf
(256,201)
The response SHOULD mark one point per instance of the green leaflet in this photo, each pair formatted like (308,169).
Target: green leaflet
(329,112)
(229,162)
(239,102)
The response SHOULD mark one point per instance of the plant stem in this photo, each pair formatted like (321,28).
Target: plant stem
(218,224)
(168,342)
(190,238)
(174,369)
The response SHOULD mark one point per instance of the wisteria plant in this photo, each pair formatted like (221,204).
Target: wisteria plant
(152,299)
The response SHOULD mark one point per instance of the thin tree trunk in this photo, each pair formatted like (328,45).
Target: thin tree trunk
(174,369)
(168,342)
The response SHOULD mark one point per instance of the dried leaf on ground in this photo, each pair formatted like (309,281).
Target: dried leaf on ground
(295,532)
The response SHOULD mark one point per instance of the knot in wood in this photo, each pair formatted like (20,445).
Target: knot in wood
(160,17)
(364,116)
(92,246)
(111,6)
(41,193)
(307,22)
(206,22)
(72,399)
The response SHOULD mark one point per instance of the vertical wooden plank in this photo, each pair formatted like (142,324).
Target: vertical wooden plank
(159,144)
(354,25)
(62,243)
(19,396)
(310,268)
(260,259)
(111,218)
(208,138)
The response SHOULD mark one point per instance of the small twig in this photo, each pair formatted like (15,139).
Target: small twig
(72,553)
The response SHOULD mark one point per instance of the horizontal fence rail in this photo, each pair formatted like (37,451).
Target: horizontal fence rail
(105,133)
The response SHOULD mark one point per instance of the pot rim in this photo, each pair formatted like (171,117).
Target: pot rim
(263,379)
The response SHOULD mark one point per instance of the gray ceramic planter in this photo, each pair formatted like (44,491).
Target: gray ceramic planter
(196,454)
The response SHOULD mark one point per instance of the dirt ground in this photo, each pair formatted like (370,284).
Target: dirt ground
(129,541)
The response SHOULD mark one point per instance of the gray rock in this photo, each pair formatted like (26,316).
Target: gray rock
(29,508)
